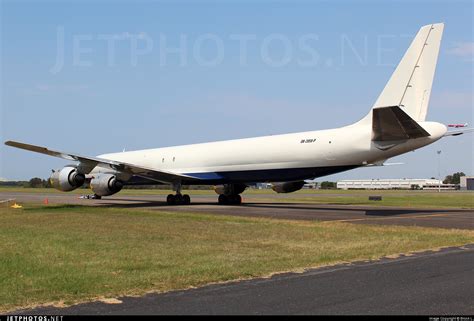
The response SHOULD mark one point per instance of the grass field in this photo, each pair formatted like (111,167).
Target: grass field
(69,253)
(402,198)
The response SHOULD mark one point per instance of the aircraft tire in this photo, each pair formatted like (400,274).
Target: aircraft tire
(170,199)
(186,200)
(230,199)
(223,199)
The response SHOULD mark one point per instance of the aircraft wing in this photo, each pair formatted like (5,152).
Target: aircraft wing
(458,132)
(91,162)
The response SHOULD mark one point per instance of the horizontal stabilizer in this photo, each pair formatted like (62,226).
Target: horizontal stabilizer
(383,164)
(459,132)
(393,124)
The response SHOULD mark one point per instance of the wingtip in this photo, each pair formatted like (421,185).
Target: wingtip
(13,143)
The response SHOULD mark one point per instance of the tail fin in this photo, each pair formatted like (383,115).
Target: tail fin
(410,84)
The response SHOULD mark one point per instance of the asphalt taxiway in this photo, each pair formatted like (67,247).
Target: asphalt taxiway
(429,283)
(255,205)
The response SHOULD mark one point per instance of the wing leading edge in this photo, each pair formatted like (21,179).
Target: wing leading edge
(88,163)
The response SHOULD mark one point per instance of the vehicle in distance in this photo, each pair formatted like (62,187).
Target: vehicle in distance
(395,125)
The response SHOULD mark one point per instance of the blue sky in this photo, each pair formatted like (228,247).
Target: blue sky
(145,74)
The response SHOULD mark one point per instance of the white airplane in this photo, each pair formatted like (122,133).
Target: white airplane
(395,125)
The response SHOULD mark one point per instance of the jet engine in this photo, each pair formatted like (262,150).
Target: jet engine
(105,185)
(287,187)
(230,189)
(67,179)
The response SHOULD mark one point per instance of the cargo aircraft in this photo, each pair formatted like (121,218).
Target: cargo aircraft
(396,124)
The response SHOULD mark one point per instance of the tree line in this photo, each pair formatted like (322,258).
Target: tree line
(454,179)
(37,182)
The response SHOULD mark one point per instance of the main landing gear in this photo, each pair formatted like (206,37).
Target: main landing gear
(229,194)
(233,199)
(178,199)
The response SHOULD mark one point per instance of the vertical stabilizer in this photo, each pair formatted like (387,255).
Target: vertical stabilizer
(410,84)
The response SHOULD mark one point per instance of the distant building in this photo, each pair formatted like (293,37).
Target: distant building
(467,183)
(403,183)
(263,185)
(310,185)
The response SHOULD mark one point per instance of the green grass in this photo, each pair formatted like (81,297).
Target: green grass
(73,253)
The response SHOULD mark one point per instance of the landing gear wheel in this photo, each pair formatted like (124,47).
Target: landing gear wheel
(186,199)
(230,199)
(223,200)
(170,199)
(237,200)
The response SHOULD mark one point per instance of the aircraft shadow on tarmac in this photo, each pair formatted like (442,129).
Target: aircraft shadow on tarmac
(328,208)
(338,208)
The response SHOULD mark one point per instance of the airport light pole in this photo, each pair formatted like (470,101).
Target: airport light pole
(439,171)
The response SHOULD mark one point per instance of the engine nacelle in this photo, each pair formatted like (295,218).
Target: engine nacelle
(287,187)
(230,189)
(106,184)
(67,179)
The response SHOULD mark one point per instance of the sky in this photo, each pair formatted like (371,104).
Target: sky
(93,77)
